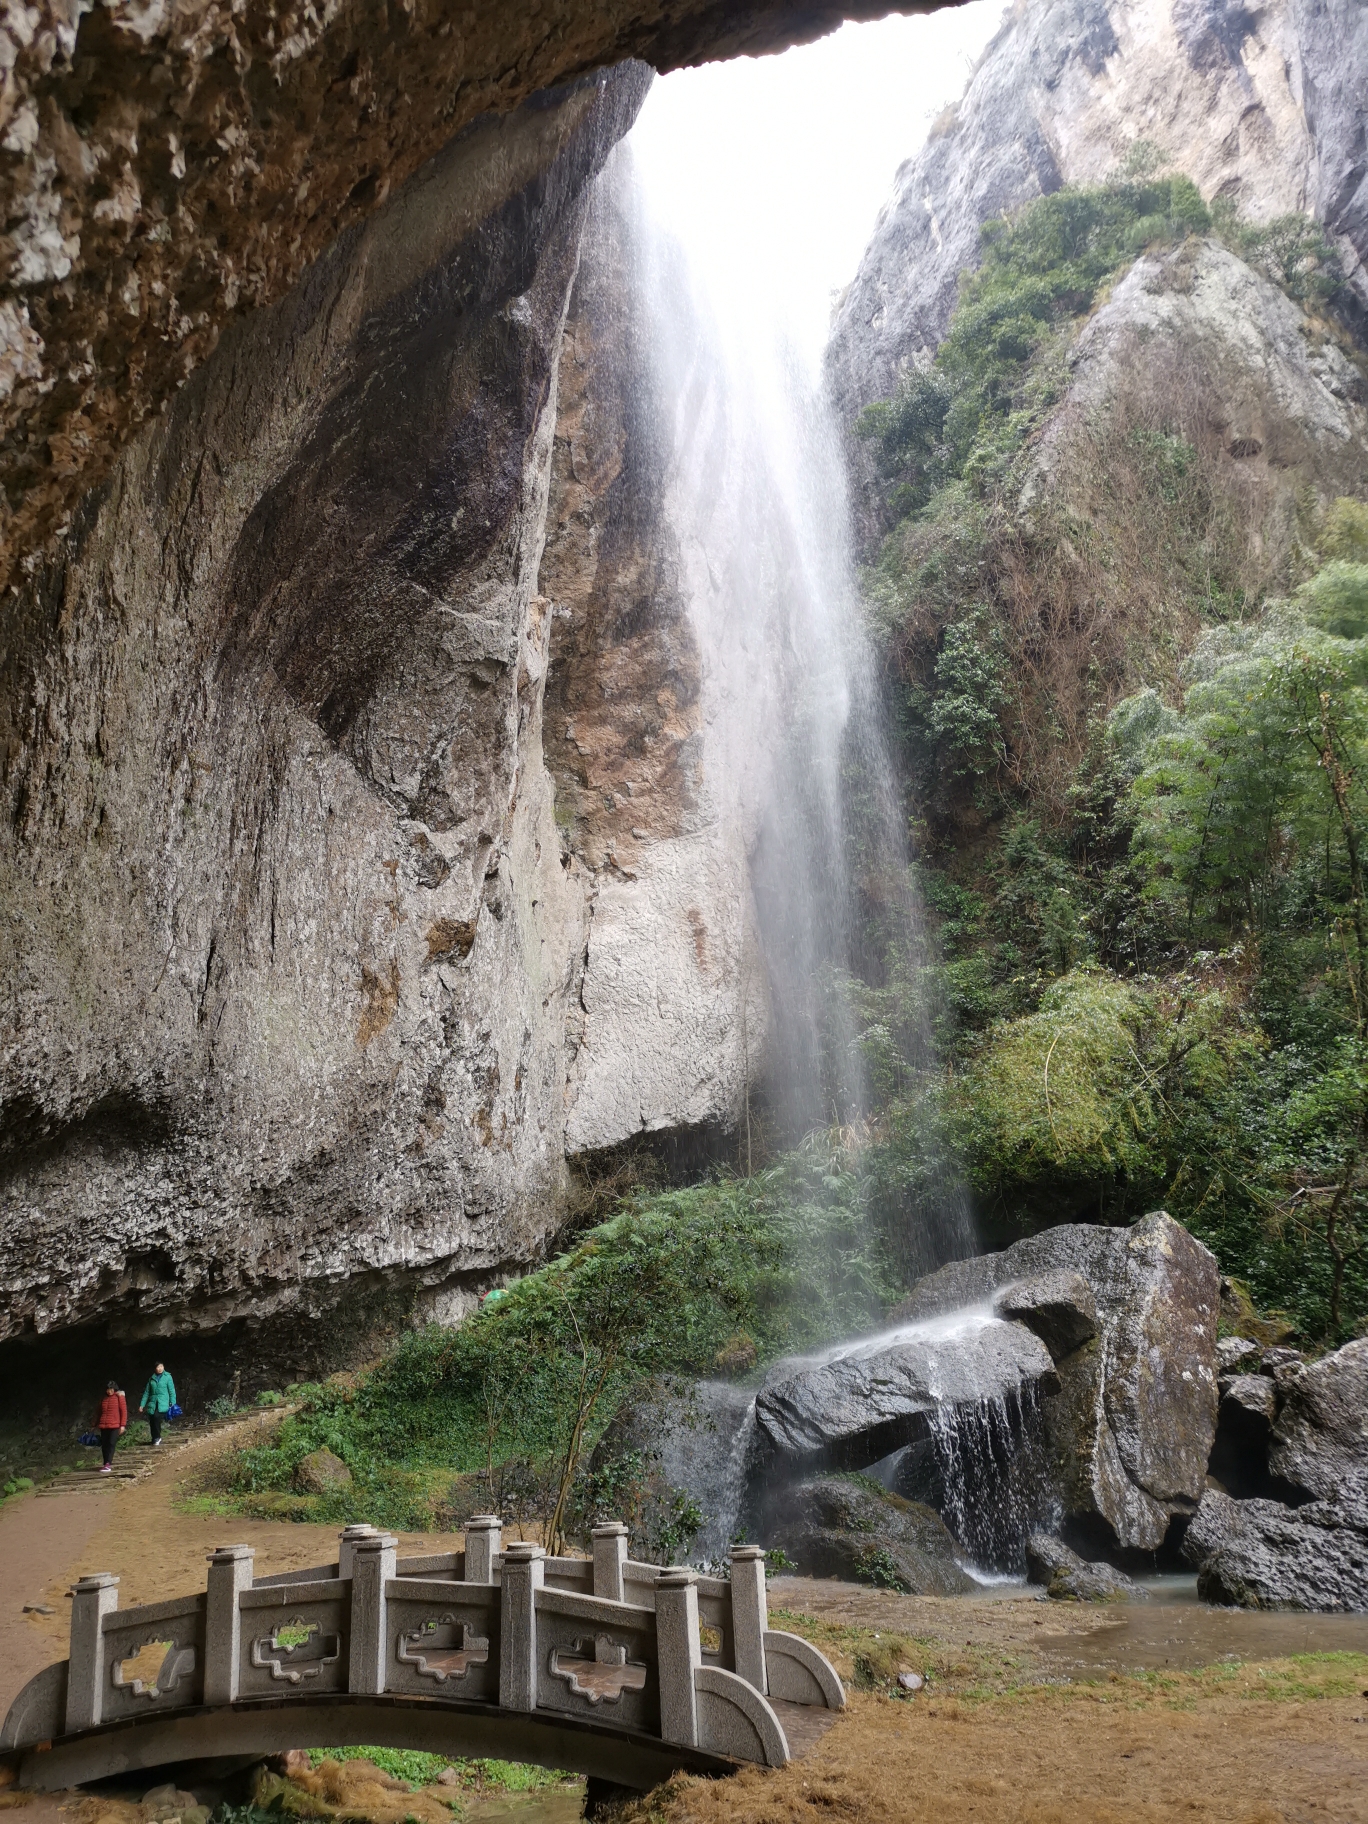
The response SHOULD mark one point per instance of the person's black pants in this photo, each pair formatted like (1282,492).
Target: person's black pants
(154,1420)
(109,1437)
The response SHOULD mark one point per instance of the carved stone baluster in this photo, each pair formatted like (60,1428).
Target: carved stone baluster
(524,1573)
(679,1654)
(230,1573)
(750,1614)
(346,1546)
(94,1597)
(610,1554)
(372,1570)
(483,1539)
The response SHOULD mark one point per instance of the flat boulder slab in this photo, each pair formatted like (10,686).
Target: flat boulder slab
(1131,1428)
(1320,1436)
(1266,1555)
(321,1472)
(839,1526)
(849,1408)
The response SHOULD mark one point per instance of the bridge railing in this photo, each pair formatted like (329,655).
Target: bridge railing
(656,1652)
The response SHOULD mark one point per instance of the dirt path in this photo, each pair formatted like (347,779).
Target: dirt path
(128,1524)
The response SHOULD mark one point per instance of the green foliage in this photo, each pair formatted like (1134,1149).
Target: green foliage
(1293,251)
(970,690)
(518,1394)
(417,1769)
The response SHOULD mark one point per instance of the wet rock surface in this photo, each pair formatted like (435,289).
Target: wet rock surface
(882,1395)
(1261,1554)
(1131,1428)
(834,1526)
(1058,1307)
(294,1023)
(1319,1441)
(1069,1578)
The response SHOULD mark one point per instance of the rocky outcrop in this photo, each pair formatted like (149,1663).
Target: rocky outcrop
(671,1015)
(855,1407)
(1069,1578)
(1259,106)
(1281,396)
(290,935)
(1058,1307)
(1265,1555)
(166,169)
(1130,1430)
(836,1527)
(1319,1442)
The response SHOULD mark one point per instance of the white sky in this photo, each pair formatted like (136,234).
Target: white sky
(772,170)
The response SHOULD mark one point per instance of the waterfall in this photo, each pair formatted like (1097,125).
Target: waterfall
(984,1469)
(795,763)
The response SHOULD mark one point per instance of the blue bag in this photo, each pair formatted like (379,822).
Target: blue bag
(173,1412)
(89,1437)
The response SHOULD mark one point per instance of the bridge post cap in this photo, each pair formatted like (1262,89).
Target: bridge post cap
(377,1542)
(483,1523)
(231,1554)
(746,1554)
(676,1577)
(608,1529)
(357,1529)
(96,1580)
(522,1551)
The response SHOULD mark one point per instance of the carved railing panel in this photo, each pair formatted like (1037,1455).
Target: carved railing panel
(597,1660)
(294,1638)
(132,1685)
(443,1639)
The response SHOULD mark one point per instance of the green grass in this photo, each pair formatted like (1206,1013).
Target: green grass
(416,1769)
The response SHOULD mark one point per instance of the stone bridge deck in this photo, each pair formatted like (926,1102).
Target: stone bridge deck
(602,1666)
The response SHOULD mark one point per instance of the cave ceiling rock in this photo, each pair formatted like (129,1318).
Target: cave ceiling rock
(167,166)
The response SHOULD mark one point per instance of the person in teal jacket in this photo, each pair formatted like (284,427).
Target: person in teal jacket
(159,1396)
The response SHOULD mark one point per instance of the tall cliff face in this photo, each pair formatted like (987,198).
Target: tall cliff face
(289,931)
(1258,103)
(671,1017)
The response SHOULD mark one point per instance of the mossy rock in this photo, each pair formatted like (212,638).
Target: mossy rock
(849,1527)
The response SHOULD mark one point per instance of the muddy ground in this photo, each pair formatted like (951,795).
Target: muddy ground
(1033,1712)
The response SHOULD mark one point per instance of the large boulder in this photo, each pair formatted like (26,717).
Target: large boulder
(839,1526)
(1265,1555)
(321,1473)
(854,1406)
(1069,1578)
(1130,1429)
(702,1441)
(1320,1437)
(1058,1307)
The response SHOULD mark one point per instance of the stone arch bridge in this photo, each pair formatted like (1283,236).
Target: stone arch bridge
(620,1670)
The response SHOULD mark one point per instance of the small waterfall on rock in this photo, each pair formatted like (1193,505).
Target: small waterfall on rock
(992,1487)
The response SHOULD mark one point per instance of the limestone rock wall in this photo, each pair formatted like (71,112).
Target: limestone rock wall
(1262,104)
(289,933)
(671,1015)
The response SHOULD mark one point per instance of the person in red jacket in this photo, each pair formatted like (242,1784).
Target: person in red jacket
(111,1422)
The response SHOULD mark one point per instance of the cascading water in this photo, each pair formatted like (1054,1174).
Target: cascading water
(795,759)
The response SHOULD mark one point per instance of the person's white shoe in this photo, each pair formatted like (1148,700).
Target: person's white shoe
(157,1444)
(107,1470)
